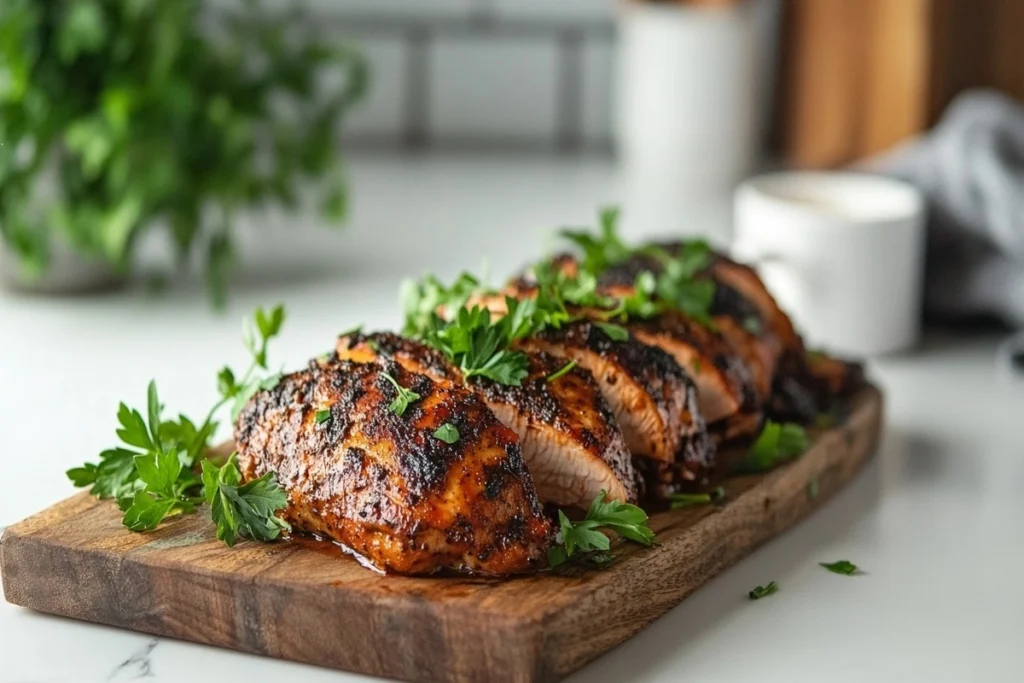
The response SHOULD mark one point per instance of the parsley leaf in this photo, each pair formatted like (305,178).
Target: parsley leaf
(247,511)
(777,443)
(323,416)
(584,538)
(352,331)
(153,474)
(844,567)
(403,398)
(685,500)
(422,300)
(604,249)
(565,369)
(615,332)
(447,432)
(479,346)
(763,591)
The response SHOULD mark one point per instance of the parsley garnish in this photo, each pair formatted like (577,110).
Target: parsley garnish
(565,369)
(447,432)
(762,591)
(678,286)
(351,331)
(422,300)
(603,250)
(323,415)
(403,398)
(675,285)
(777,443)
(844,567)
(584,539)
(480,346)
(685,500)
(153,475)
(249,510)
(615,332)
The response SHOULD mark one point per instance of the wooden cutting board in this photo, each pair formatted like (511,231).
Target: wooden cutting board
(304,601)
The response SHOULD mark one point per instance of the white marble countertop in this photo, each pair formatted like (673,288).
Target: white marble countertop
(937,519)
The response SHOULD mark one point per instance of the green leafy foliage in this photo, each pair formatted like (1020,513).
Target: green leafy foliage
(759,592)
(323,416)
(844,567)
(777,443)
(422,301)
(685,500)
(247,511)
(162,112)
(615,332)
(447,432)
(480,345)
(153,474)
(676,282)
(604,249)
(565,369)
(584,540)
(403,398)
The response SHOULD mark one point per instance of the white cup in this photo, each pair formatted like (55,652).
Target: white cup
(843,254)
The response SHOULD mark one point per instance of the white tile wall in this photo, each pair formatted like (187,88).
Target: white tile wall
(493,87)
(598,80)
(380,115)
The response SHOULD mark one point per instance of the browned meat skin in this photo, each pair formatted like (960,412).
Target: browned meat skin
(655,423)
(653,399)
(569,438)
(382,484)
(810,384)
(729,396)
(763,336)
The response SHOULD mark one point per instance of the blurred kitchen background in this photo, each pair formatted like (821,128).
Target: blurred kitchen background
(480,126)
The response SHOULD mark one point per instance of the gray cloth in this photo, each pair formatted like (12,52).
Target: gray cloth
(971,169)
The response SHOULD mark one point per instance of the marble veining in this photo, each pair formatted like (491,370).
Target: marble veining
(136,667)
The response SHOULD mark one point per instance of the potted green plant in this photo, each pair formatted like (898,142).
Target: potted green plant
(119,116)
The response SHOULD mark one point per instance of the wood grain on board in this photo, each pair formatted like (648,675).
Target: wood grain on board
(304,601)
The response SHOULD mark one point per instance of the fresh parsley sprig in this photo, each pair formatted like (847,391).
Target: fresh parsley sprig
(448,433)
(759,592)
(153,473)
(584,540)
(482,346)
(844,567)
(426,300)
(603,250)
(565,369)
(678,285)
(675,283)
(403,398)
(684,500)
(248,510)
(777,443)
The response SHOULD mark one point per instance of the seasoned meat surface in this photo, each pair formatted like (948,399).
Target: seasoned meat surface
(653,399)
(569,438)
(382,484)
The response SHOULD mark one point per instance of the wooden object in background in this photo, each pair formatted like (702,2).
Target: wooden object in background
(860,77)
(304,601)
